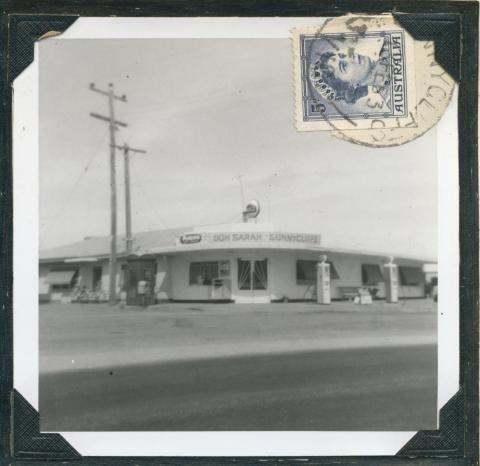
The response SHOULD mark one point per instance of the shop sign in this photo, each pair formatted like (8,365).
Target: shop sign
(224,268)
(190,238)
(259,238)
(264,237)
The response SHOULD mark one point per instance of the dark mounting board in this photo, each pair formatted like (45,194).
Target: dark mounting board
(452,25)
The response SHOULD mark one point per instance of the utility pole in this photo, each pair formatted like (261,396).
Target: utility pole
(128,211)
(113,126)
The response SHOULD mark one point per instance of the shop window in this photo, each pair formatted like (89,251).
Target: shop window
(371,274)
(203,273)
(307,272)
(410,276)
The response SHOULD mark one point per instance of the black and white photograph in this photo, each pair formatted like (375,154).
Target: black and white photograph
(204,266)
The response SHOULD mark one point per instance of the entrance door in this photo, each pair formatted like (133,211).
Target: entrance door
(135,272)
(253,281)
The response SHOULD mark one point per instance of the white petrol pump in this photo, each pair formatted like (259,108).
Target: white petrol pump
(323,281)
(391,281)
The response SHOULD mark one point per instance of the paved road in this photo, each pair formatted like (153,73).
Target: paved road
(387,388)
(96,336)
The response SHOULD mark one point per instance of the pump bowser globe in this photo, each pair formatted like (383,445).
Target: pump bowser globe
(252,209)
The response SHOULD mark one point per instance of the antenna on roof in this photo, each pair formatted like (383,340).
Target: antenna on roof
(239,177)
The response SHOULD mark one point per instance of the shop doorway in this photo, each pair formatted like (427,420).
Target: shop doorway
(252,277)
(136,271)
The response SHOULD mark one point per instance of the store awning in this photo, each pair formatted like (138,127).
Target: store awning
(411,275)
(60,277)
(371,274)
(307,270)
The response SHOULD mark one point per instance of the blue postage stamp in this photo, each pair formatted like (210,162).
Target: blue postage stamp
(350,80)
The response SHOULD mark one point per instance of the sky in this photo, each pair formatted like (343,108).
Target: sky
(216,119)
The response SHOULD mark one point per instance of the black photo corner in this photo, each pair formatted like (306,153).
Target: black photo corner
(451,25)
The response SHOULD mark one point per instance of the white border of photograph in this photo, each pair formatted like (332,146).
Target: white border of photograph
(25,293)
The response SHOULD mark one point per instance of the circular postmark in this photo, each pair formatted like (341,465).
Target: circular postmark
(434,90)
(365,79)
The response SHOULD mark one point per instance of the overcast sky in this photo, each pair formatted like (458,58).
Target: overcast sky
(208,111)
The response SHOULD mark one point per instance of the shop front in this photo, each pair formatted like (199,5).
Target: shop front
(241,263)
(252,280)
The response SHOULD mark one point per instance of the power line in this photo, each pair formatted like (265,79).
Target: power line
(152,207)
(75,184)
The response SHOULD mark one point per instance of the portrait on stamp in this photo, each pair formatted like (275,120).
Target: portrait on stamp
(352,75)
(356,73)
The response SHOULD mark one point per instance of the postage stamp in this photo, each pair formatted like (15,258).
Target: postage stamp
(352,72)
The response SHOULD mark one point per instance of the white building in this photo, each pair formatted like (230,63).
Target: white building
(239,262)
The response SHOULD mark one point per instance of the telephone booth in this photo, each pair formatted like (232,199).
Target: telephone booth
(139,270)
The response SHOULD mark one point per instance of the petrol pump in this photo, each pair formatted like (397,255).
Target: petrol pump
(391,281)
(323,281)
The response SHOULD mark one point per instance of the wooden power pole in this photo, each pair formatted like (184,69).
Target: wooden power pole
(113,126)
(128,207)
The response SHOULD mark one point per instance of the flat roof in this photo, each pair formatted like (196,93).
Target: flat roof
(211,237)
